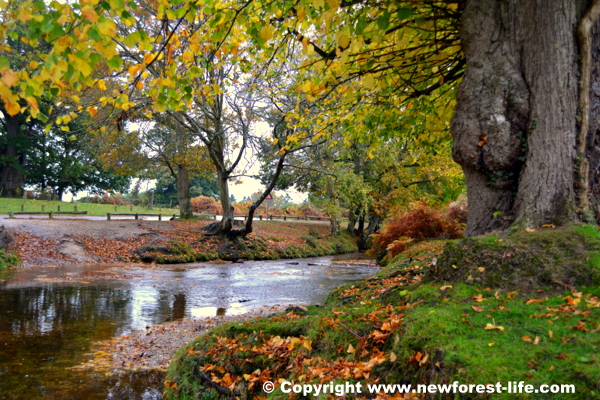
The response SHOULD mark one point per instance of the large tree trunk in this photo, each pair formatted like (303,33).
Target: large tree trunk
(11,173)
(515,126)
(593,139)
(183,192)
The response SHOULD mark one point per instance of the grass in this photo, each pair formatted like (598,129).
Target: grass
(395,328)
(8,259)
(11,205)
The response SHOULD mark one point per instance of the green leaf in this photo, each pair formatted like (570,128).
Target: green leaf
(94,33)
(403,13)
(361,25)
(383,22)
(115,63)
(39,5)
(4,63)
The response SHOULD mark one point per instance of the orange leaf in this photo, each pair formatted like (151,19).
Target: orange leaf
(477,309)
(526,338)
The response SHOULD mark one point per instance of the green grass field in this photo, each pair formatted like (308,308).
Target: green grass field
(8,205)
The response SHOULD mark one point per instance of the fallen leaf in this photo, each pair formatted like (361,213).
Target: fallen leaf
(526,338)
(529,230)
(536,341)
(477,309)
(393,357)
(490,327)
(446,287)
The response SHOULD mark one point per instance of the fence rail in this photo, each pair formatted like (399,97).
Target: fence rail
(135,215)
(49,213)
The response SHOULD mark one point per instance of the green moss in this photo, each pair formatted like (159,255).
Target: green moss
(525,261)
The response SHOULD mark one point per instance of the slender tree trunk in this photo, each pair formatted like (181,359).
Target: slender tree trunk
(183,192)
(515,126)
(351,222)
(151,200)
(365,240)
(361,224)
(11,175)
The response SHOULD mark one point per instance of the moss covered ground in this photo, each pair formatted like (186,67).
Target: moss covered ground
(425,318)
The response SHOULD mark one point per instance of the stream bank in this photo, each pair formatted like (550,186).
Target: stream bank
(64,242)
(56,319)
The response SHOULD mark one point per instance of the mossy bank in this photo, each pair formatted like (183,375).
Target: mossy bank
(407,325)
(254,248)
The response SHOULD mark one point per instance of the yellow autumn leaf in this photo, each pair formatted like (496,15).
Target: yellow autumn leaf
(307,86)
(266,32)
(351,349)
(9,77)
(369,81)
(108,28)
(88,13)
(32,101)
(490,327)
(148,57)
(307,344)
(63,18)
(139,85)
(13,108)
(101,85)
(93,111)
(343,41)
(529,230)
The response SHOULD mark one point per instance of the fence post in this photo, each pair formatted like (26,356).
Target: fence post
(22,207)
(108,216)
(160,217)
(58,207)
(75,208)
(136,215)
(51,214)
(11,215)
(43,207)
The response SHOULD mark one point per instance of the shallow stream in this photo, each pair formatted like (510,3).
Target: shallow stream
(51,316)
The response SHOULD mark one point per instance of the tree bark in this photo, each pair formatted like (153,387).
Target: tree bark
(515,126)
(12,176)
(183,192)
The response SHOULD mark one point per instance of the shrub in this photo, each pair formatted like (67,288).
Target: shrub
(417,225)
(206,204)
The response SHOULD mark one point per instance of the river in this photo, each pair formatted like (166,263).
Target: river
(51,316)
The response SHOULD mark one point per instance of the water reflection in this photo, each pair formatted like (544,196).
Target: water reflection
(46,327)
